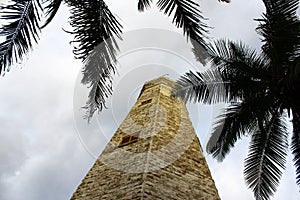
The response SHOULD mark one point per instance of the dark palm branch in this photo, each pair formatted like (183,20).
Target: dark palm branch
(280,29)
(51,10)
(229,127)
(188,17)
(95,28)
(239,118)
(240,65)
(98,71)
(236,71)
(295,145)
(238,59)
(144,4)
(22,28)
(267,156)
(207,87)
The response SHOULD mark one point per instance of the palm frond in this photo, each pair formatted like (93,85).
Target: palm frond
(267,156)
(207,87)
(229,127)
(97,73)
(93,23)
(51,10)
(280,28)
(235,74)
(95,28)
(247,72)
(295,145)
(239,118)
(200,51)
(188,17)
(238,59)
(21,31)
(144,4)
(268,4)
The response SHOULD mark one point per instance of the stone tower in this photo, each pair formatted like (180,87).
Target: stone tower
(154,154)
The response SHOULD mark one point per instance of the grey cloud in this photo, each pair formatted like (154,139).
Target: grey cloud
(41,155)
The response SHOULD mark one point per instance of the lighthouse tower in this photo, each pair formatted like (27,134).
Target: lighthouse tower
(154,154)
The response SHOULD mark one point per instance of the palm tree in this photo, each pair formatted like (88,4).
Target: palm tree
(261,90)
(93,24)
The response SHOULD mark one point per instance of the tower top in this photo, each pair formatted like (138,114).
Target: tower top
(160,81)
(166,86)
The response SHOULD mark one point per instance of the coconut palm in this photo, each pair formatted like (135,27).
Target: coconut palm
(93,24)
(261,91)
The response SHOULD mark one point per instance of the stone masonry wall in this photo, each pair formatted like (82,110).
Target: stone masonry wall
(155,154)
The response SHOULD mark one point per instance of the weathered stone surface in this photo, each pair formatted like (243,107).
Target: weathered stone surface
(155,154)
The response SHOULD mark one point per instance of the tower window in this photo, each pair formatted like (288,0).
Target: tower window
(146,102)
(128,139)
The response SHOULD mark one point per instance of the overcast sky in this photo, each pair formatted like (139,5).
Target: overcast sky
(46,148)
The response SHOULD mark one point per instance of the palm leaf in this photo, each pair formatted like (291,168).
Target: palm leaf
(97,74)
(144,4)
(237,120)
(52,9)
(247,72)
(207,87)
(238,59)
(229,127)
(237,72)
(267,156)
(280,29)
(95,28)
(93,23)
(188,17)
(21,31)
(295,146)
